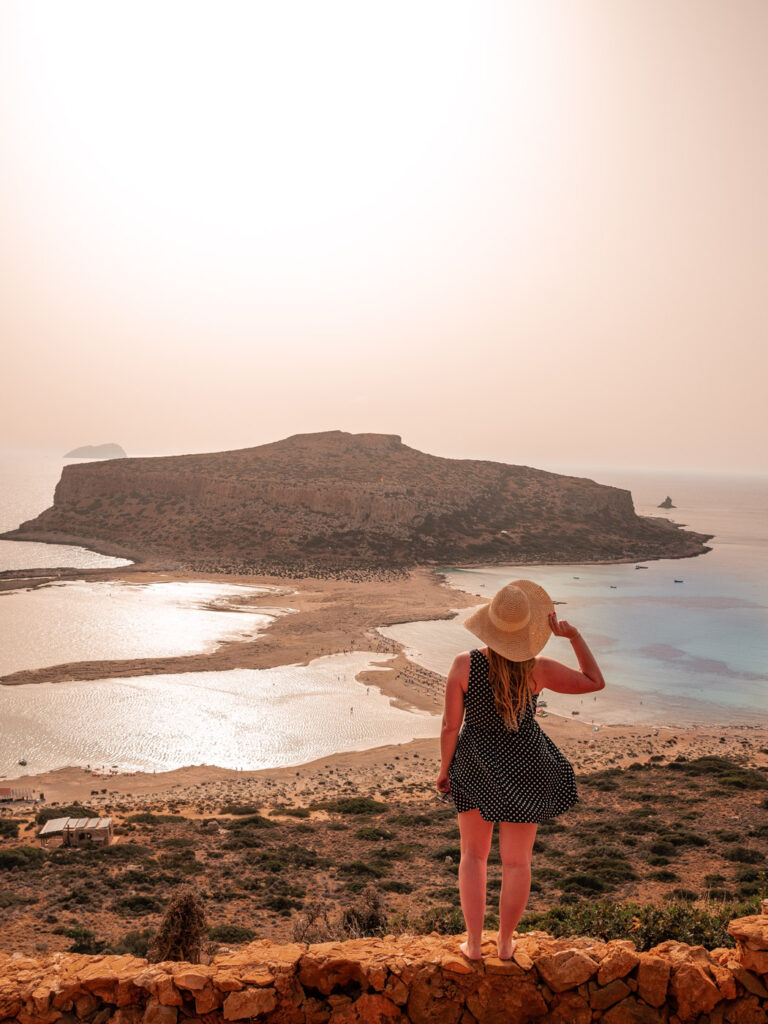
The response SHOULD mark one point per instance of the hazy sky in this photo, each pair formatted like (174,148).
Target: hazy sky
(529,231)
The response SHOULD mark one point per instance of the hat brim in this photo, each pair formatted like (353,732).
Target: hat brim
(521,644)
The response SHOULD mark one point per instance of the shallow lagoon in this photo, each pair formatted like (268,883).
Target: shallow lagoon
(241,718)
(79,621)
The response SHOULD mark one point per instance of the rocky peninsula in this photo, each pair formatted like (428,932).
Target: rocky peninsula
(334,498)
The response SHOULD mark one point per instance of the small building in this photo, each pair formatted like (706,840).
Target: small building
(78,831)
(14,794)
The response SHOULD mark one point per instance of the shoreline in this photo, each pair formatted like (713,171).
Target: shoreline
(333,616)
(416,763)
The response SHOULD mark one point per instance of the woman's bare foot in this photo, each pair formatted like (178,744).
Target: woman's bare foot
(506,947)
(471,952)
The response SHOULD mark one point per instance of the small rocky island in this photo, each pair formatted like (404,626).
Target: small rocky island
(97,451)
(333,499)
(667,503)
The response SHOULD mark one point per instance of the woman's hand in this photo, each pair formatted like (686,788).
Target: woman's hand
(443,785)
(562,628)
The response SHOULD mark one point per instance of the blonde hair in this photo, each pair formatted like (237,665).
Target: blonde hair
(512,683)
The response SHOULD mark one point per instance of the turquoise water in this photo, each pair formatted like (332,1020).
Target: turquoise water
(695,650)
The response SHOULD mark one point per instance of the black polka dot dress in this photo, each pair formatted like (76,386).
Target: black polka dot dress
(508,776)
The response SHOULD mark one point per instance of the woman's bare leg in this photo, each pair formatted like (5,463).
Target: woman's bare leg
(476,834)
(515,847)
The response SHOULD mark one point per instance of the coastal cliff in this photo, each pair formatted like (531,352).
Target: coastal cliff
(347,498)
(423,979)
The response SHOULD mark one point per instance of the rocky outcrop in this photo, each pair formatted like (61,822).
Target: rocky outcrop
(423,979)
(353,498)
(667,503)
(97,451)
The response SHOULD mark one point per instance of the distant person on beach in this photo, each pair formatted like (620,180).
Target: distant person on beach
(499,766)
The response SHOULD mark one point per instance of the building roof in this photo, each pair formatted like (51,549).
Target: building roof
(58,825)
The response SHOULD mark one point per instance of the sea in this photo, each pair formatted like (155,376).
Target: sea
(679,641)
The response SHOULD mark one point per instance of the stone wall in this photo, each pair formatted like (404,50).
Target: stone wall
(423,979)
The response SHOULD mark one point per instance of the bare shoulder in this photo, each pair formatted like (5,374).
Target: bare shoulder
(459,670)
(543,672)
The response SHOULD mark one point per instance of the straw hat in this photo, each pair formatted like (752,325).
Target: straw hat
(514,623)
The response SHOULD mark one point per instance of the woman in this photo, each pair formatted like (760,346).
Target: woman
(501,766)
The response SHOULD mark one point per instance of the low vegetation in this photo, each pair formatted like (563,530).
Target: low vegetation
(654,852)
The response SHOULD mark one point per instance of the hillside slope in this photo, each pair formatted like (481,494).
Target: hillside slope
(345,498)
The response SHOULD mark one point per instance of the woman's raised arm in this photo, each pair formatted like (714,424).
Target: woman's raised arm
(555,676)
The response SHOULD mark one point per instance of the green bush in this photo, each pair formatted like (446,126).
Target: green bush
(447,851)
(373,833)
(610,865)
(9,828)
(645,924)
(360,869)
(249,822)
(231,933)
(662,848)
(15,899)
(21,858)
(351,805)
(748,875)
(178,843)
(744,855)
(136,942)
(293,812)
(726,835)
(66,811)
(118,853)
(148,818)
(282,904)
(682,894)
(411,820)
(583,882)
(266,860)
(682,837)
(85,940)
(724,772)
(392,885)
(139,904)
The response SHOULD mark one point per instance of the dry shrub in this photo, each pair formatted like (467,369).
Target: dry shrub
(181,930)
(365,919)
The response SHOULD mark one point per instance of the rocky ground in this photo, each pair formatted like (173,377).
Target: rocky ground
(263,852)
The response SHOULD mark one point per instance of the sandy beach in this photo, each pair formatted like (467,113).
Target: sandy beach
(410,768)
(331,616)
(186,820)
